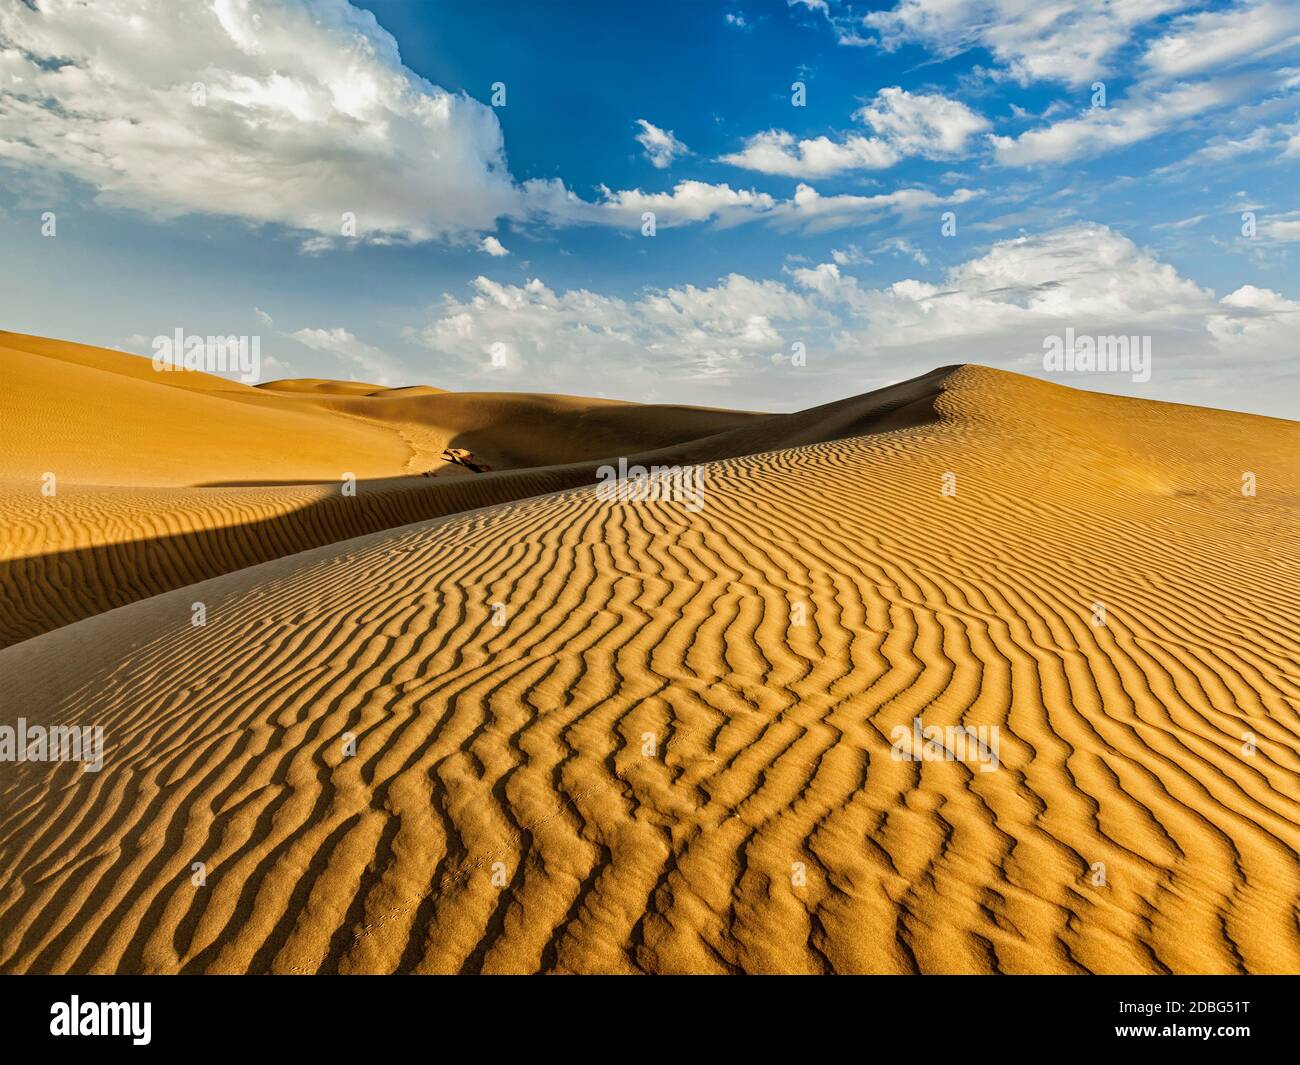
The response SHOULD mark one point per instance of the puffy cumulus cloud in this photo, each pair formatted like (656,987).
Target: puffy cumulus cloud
(689,201)
(1260,325)
(374,364)
(777,151)
(997,308)
(664,343)
(296,112)
(660,146)
(826,280)
(1102,129)
(1000,307)
(1069,41)
(285,111)
(1215,40)
(928,124)
(494,247)
(293,112)
(905,124)
(1085,275)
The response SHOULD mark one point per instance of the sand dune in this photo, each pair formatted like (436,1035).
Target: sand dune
(99,417)
(164,479)
(153,495)
(629,737)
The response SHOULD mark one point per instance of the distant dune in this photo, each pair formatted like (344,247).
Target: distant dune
(516,728)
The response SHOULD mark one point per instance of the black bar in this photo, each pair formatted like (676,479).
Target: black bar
(374,1015)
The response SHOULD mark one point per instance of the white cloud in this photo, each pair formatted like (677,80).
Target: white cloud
(1123,123)
(1070,41)
(300,113)
(584,342)
(263,317)
(296,112)
(661,147)
(850,256)
(1227,147)
(1261,325)
(493,247)
(1284,228)
(778,152)
(307,119)
(1215,40)
(689,201)
(999,307)
(698,202)
(811,212)
(905,124)
(826,280)
(377,366)
(927,124)
(1182,223)
(307,113)
(1085,274)
(315,245)
(903,246)
(996,308)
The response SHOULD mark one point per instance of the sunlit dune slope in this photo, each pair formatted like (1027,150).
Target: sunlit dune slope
(98,417)
(628,737)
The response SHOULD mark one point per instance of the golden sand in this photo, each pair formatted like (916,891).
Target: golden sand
(630,737)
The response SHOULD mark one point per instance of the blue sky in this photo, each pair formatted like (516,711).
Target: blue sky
(200,157)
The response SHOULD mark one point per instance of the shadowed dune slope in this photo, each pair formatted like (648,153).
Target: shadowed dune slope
(99,545)
(518,430)
(626,737)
